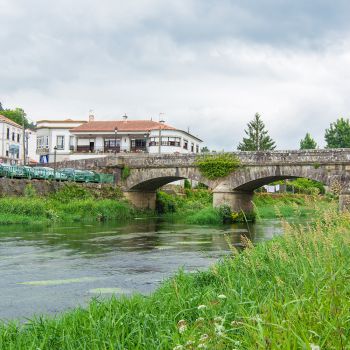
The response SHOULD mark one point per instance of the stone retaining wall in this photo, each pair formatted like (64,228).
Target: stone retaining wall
(16,187)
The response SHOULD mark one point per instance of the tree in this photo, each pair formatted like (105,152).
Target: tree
(1,109)
(338,134)
(205,149)
(258,138)
(308,142)
(17,116)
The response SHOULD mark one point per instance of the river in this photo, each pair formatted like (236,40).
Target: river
(46,270)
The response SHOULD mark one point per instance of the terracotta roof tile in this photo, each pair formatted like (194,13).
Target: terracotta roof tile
(9,121)
(121,125)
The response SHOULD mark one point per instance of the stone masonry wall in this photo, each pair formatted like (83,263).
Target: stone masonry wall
(16,187)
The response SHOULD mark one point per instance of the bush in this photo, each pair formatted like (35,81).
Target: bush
(187,184)
(125,173)
(217,166)
(30,191)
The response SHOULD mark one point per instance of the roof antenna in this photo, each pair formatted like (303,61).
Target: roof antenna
(188,130)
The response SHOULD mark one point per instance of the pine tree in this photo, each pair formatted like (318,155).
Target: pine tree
(308,142)
(258,138)
(338,134)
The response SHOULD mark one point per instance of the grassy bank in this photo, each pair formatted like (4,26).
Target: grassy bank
(195,207)
(71,203)
(289,293)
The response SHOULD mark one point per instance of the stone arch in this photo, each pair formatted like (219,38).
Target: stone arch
(152,179)
(249,179)
(237,189)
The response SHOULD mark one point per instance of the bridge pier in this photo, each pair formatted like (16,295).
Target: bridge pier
(238,201)
(142,199)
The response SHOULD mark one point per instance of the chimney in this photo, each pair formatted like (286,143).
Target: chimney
(125,117)
(91,116)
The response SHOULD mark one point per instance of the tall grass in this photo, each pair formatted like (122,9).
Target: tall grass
(16,210)
(288,293)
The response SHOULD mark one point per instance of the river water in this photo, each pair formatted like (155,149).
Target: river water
(46,270)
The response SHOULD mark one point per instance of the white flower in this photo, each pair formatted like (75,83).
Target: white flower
(202,346)
(222,296)
(182,326)
(219,328)
(202,307)
(189,343)
(218,319)
(200,319)
(178,347)
(203,337)
(314,347)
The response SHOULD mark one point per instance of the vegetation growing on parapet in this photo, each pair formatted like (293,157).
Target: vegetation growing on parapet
(218,165)
(126,173)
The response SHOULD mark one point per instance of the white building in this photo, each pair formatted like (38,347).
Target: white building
(78,139)
(11,141)
(55,133)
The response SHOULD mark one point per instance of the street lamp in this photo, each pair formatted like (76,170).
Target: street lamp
(115,139)
(54,159)
(146,135)
(161,122)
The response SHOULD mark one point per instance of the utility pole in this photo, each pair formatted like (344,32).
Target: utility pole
(24,139)
(161,121)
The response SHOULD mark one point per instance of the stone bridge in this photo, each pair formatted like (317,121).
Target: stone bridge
(149,172)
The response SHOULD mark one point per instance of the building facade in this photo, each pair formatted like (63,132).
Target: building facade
(51,134)
(69,139)
(11,141)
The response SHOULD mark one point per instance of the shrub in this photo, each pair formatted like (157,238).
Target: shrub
(30,191)
(187,184)
(71,191)
(217,166)
(125,173)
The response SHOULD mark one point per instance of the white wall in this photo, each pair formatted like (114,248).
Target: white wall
(174,149)
(6,143)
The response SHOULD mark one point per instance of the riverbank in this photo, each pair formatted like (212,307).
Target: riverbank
(73,203)
(70,203)
(195,207)
(291,293)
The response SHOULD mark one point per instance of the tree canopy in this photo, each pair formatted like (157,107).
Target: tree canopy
(338,134)
(257,137)
(17,116)
(308,142)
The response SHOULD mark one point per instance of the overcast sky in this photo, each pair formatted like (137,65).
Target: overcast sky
(209,65)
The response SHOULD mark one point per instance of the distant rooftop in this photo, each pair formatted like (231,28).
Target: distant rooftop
(122,125)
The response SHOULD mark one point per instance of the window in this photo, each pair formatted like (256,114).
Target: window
(112,143)
(18,137)
(185,144)
(166,141)
(197,148)
(13,136)
(192,147)
(46,142)
(60,142)
(138,143)
(8,133)
(71,143)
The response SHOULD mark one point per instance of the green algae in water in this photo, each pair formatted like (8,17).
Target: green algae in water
(59,282)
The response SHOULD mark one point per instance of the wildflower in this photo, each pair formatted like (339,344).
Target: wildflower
(222,296)
(201,346)
(203,338)
(189,343)
(199,319)
(178,347)
(182,326)
(314,347)
(219,328)
(202,307)
(218,319)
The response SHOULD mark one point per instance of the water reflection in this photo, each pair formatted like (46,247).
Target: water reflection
(50,269)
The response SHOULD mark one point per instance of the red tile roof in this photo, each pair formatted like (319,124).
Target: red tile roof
(9,121)
(121,125)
